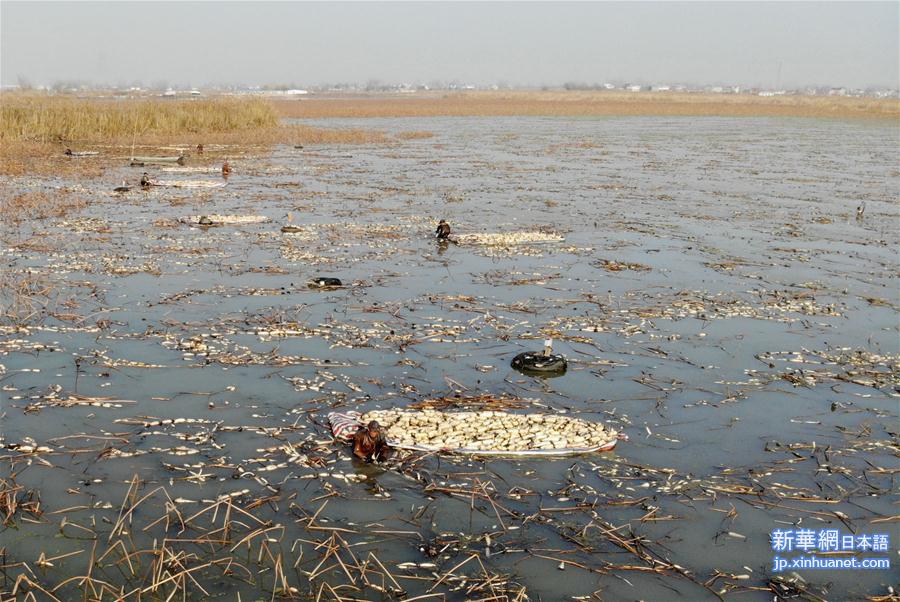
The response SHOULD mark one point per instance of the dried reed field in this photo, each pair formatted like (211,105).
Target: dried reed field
(44,118)
(574,103)
(36,128)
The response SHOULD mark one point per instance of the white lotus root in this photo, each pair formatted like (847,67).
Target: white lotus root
(507,239)
(226,219)
(489,431)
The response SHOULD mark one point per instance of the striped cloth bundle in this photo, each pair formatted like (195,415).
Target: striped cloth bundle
(344,424)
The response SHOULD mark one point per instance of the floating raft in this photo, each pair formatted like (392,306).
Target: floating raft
(508,239)
(187,183)
(194,169)
(180,159)
(481,432)
(81,154)
(194,220)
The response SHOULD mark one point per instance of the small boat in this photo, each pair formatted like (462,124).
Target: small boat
(190,169)
(141,161)
(291,229)
(80,154)
(187,183)
(235,220)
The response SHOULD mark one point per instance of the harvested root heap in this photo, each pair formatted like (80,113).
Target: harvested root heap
(225,219)
(188,183)
(488,431)
(505,239)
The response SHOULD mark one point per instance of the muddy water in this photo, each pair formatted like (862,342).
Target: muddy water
(714,294)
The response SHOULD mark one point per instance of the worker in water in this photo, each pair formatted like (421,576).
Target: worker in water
(226,169)
(369,443)
(443,230)
(200,149)
(145,181)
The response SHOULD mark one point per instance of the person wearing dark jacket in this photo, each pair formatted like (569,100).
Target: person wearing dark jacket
(369,443)
(443,230)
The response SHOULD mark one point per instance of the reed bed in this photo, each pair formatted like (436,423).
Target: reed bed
(415,135)
(36,129)
(563,103)
(42,118)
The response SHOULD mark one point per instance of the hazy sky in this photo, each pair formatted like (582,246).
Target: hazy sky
(840,43)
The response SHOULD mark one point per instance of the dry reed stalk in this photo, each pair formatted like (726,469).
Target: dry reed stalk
(22,578)
(451,571)
(386,572)
(26,298)
(214,507)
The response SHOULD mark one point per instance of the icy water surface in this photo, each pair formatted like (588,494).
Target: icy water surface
(707,279)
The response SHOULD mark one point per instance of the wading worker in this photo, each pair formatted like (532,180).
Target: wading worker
(369,443)
(443,230)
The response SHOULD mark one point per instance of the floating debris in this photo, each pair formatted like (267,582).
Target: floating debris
(857,366)
(618,266)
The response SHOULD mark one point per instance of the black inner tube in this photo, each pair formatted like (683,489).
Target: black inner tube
(325,282)
(531,361)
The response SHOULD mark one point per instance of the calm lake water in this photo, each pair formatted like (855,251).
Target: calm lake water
(714,293)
